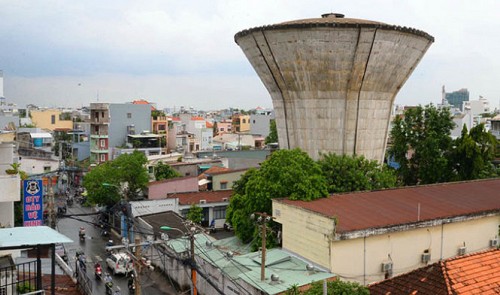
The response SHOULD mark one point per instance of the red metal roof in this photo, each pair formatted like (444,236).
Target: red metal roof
(208,196)
(384,208)
(476,273)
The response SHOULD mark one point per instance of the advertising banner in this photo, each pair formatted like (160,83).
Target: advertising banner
(32,202)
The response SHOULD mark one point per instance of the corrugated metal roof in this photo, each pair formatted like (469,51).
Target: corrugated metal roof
(30,236)
(378,209)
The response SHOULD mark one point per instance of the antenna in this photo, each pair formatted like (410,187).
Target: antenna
(97,95)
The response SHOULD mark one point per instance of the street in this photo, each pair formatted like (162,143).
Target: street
(152,282)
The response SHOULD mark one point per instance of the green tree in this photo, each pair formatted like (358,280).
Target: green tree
(421,141)
(334,288)
(345,173)
(273,133)
(472,153)
(125,176)
(195,214)
(165,171)
(287,173)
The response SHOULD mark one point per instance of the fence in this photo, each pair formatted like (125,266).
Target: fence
(20,278)
(83,281)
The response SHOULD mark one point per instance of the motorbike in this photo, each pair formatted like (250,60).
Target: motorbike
(98,271)
(104,231)
(109,288)
(81,234)
(131,285)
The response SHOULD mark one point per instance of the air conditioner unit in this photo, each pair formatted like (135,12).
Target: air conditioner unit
(494,243)
(426,257)
(461,250)
(203,201)
(225,199)
(386,266)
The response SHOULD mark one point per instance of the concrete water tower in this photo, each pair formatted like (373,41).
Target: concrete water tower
(333,80)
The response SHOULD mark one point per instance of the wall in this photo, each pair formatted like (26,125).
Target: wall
(304,233)
(9,185)
(361,259)
(43,119)
(36,166)
(160,189)
(406,248)
(259,124)
(229,178)
(140,118)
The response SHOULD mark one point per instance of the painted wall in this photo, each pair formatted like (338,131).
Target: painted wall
(228,178)
(160,189)
(43,119)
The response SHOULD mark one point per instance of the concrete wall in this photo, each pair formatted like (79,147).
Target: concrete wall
(140,117)
(228,178)
(333,87)
(259,124)
(306,234)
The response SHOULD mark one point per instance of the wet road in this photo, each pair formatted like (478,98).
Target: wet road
(94,249)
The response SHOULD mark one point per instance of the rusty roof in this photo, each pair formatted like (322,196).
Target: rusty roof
(332,20)
(208,196)
(392,207)
(475,273)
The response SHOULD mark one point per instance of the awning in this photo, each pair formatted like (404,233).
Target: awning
(203,181)
(30,236)
(40,135)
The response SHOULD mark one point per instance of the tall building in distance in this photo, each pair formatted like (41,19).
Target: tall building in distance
(333,80)
(456,98)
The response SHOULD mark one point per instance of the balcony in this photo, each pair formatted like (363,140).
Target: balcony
(97,136)
(11,187)
(99,150)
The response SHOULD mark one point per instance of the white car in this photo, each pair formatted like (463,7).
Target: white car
(120,263)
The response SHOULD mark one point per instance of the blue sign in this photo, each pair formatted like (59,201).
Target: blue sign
(33,202)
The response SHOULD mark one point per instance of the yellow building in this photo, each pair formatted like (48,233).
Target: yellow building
(368,236)
(240,123)
(50,119)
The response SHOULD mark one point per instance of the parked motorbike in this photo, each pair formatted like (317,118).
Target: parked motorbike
(131,284)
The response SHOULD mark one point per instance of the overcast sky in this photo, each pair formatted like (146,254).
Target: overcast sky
(173,53)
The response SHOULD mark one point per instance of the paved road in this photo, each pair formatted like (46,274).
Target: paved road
(152,282)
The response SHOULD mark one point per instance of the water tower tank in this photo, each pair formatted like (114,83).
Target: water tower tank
(333,80)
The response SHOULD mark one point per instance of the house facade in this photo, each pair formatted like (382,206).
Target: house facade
(369,236)
(50,119)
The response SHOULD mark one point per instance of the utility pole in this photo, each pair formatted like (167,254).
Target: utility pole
(52,213)
(138,248)
(193,262)
(262,220)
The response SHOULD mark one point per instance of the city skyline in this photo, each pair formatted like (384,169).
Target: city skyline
(71,54)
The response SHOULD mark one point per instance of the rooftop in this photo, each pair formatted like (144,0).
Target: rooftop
(476,273)
(19,237)
(392,207)
(208,196)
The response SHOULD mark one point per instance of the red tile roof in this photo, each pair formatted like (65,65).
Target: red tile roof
(196,197)
(213,170)
(476,273)
(142,101)
(209,125)
(385,208)
(196,118)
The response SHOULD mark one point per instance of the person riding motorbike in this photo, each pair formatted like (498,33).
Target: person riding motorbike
(108,283)
(81,233)
(131,284)
(98,270)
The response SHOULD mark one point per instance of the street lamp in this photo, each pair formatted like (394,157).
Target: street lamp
(193,261)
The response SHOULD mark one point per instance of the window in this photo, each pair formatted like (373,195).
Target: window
(244,121)
(254,121)
(96,129)
(103,158)
(222,129)
(53,119)
(102,142)
(129,115)
(102,115)
(220,212)
(223,185)
(46,168)
(151,169)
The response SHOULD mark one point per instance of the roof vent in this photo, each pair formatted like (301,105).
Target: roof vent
(332,15)
(275,278)
(229,254)
(209,244)
(310,267)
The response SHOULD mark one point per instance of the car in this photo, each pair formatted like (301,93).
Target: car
(120,263)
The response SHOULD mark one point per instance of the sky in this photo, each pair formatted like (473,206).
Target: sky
(62,53)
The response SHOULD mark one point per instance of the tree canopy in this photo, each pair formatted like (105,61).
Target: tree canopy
(273,133)
(165,171)
(355,173)
(333,287)
(421,141)
(423,147)
(125,176)
(287,173)
(195,214)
